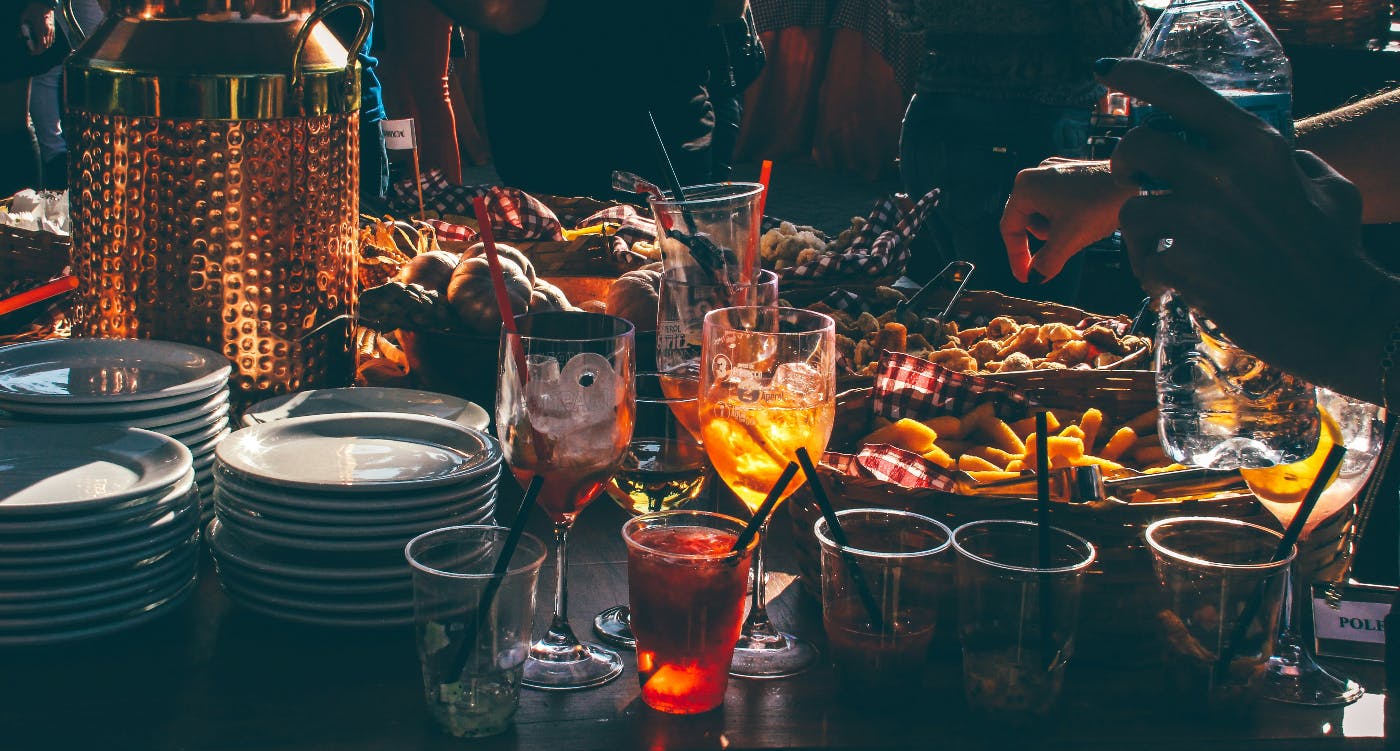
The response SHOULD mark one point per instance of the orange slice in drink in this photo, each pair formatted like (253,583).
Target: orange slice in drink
(1289,483)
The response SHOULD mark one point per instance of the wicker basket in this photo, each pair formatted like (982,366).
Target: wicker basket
(1117,625)
(1338,23)
(31,254)
(976,307)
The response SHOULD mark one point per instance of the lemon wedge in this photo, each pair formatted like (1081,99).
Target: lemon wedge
(1289,483)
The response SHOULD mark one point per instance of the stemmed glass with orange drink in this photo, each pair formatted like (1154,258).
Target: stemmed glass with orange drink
(565,407)
(767,388)
(1293,676)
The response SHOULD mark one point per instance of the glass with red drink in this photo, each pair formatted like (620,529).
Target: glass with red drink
(687,586)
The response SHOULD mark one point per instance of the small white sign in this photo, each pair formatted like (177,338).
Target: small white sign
(1351,621)
(399,135)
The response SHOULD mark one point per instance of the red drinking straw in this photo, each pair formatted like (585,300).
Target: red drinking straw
(38,294)
(498,281)
(764,174)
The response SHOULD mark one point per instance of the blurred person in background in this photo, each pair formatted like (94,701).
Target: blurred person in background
(46,98)
(567,86)
(1005,84)
(414,54)
(29,45)
(374,160)
(738,58)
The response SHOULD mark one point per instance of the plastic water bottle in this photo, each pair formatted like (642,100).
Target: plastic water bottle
(1220,406)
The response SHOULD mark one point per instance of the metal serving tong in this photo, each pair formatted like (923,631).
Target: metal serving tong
(1086,484)
(953,277)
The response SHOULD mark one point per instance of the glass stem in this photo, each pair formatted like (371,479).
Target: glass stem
(758,624)
(1290,620)
(559,631)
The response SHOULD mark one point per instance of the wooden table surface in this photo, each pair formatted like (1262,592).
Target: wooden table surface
(213,676)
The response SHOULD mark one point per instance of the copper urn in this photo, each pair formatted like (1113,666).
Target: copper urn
(214,183)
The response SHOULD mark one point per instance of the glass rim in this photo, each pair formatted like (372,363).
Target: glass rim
(668,196)
(1161,548)
(827,321)
(1093,552)
(766,278)
(663,399)
(628,328)
(535,563)
(630,524)
(827,542)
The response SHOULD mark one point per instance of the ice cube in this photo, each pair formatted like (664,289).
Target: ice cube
(799,378)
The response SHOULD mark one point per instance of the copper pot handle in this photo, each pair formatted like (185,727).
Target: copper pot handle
(76,28)
(366,23)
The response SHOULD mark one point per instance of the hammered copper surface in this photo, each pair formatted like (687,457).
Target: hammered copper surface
(236,236)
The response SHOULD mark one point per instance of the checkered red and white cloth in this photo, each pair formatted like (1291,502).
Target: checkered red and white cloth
(881,248)
(516,215)
(908,386)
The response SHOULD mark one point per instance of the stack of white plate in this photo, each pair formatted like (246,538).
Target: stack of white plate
(367,399)
(312,513)
(99,530)
(175,389)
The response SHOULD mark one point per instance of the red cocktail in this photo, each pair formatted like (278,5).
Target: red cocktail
(687,588)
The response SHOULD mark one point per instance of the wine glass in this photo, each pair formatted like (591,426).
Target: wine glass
(1292,675)
(664,469)
(767,388)
(565,406)
(680,320)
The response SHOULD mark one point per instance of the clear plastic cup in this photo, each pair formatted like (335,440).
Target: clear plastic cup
(687,588)
(1017,619)
(1215,573)
(711,236)
(902,562)
(472,660)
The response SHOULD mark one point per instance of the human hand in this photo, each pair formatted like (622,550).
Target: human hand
(39,18)
(1070,204)
(1264,240)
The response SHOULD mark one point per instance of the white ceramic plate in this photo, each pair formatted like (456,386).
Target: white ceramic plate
(77,371)
(483,497)
(143,614)
(315,619)
(165,530)
(337,501)
(241,517)
(67,468)
(92,585)
(278,562)
(116,564)
(54,530)
(392,604)
(367,399)
(139,590)
(219,417)
(292,586)
(246,527)
(203,440)
(359,452)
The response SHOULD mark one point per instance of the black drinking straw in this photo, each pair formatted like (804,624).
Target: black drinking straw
(838,535)
(1290,538)
(498,575)
(676,190)
(761,515)
(1042,531)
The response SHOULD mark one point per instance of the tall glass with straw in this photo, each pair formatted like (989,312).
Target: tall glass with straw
(767,388)
(1293,676)
(565,409)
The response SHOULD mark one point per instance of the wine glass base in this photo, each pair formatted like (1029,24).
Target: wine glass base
(764,657)
(585,665)
(614,627)
(1302,681)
